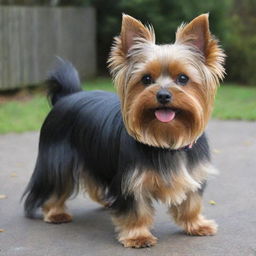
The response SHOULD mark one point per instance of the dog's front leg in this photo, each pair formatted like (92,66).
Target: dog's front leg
(133,218)
(188,215)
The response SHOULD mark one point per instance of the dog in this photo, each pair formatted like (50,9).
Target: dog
(145,143)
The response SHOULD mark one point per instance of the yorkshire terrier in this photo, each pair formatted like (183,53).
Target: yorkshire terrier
(145,144)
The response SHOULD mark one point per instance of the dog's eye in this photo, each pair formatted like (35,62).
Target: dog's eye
(182,79)
(147,80)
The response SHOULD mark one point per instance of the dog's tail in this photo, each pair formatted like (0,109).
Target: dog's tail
(62,81)
(56,167)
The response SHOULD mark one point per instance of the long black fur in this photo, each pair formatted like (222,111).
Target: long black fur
(84,132)
(62,81)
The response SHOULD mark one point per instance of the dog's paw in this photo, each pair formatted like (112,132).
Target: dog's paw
(139,242)
(58,218)
(202,227)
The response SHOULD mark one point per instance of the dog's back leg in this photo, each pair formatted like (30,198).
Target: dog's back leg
(55,210)
(95,190)
(55,179)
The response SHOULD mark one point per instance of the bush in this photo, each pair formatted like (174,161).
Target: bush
(241,43)
(164,15)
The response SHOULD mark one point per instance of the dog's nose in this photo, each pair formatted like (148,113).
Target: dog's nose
(163,96)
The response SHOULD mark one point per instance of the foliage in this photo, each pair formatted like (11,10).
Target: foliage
(241,42)
(45,2)
(165,16)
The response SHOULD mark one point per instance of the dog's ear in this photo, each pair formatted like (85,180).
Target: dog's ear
(195,33)
(133,30)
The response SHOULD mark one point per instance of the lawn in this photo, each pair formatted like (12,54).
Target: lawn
(235,102)
(232,102)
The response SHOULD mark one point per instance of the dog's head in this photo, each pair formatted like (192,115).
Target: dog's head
(166,91)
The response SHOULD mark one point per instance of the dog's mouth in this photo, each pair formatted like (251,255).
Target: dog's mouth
(165,114)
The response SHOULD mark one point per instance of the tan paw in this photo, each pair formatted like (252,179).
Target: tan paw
(139,242)
(58,218)
(202,227)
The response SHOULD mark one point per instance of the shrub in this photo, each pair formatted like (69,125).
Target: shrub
(241,43)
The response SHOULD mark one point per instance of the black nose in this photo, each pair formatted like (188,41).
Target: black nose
(163,96)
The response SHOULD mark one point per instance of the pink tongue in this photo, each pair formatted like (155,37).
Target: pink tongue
(165,115)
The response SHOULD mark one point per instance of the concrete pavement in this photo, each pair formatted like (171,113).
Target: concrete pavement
(92,233)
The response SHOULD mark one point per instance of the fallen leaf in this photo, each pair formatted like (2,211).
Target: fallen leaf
(3,196)
(212,202)
(248,143)
(216,151)
(2,230)
(14,174)
(20,164)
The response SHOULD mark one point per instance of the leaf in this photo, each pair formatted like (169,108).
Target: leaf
(248,143)
(211,202)
(20,164)
(3,196)
(216,151)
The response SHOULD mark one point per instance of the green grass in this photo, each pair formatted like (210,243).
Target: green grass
(232,102)
(235,102)
(20,116)
(23,116)
(99,84)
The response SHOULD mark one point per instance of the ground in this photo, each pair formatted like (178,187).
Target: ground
(92,233)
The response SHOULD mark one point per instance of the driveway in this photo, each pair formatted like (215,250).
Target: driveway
(92,233)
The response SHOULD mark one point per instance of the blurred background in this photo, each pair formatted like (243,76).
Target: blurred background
(32,32)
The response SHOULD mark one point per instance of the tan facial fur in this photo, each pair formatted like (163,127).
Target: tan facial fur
(195,53)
